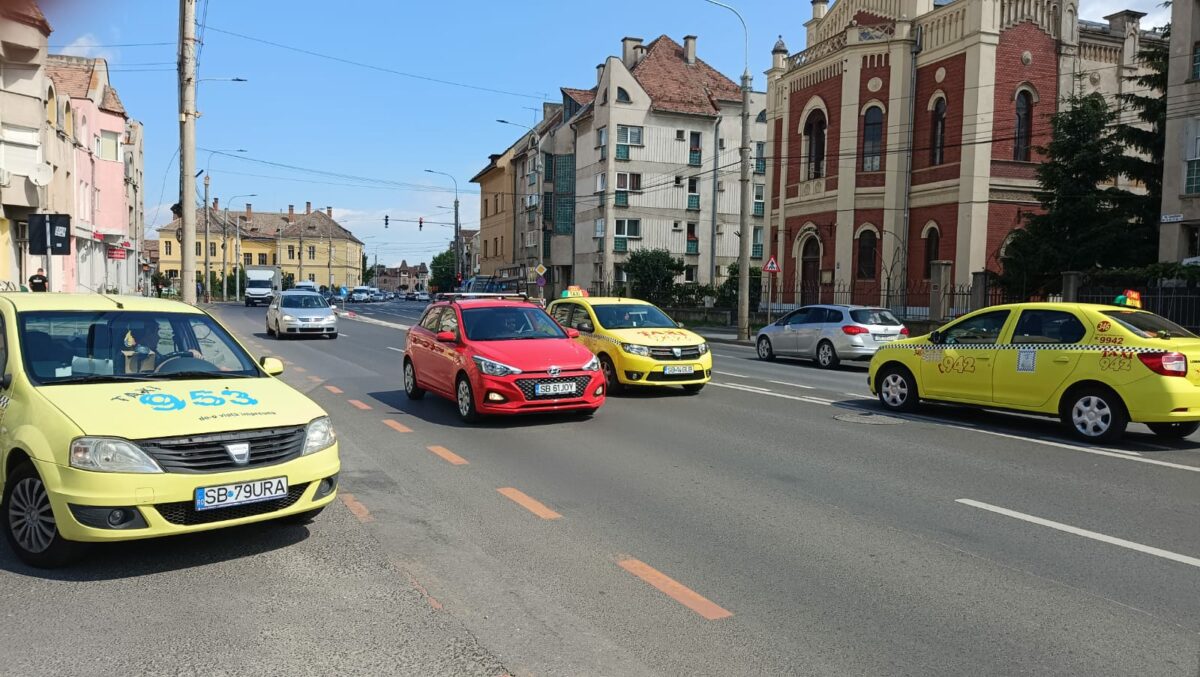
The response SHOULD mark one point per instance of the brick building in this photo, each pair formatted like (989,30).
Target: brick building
(908,132)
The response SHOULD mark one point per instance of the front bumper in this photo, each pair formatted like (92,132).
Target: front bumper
(164,499)
(647,371)
(307,328)
(518,400)
(258,300)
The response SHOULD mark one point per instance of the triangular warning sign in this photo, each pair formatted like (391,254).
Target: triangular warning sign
(772,265)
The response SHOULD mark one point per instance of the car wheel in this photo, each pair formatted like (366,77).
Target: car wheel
(333,336)
(1174,431)
(1094,414)
(465,398)
(301,517)
(694,387)
(826,356)
(612,383)
(29,525)
(765,350)
(414,391)
(898,389)
(270,331)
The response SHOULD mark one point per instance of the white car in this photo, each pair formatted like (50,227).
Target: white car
(423,296)
(301,313)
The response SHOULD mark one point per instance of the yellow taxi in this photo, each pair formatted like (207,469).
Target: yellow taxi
(637,343)
(1096,367)
(126,418)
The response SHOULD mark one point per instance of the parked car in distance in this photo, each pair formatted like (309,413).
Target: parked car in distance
(422,296)
(829,334)
(301,313)
(360,295)
(410,296)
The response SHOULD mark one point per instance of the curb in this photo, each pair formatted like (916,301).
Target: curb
(728,342)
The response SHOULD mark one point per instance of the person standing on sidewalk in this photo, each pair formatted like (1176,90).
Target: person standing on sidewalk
(37,281)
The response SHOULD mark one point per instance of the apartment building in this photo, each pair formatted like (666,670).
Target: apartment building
(1179,231)
(495,215)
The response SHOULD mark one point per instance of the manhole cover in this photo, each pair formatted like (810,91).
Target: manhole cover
(867,419)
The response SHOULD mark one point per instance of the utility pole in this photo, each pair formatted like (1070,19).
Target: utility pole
(207,239)
(458,256)
(187,145)
(225,255)
(744,221)
(300,270)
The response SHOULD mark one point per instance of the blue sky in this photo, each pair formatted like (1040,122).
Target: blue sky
(314,113)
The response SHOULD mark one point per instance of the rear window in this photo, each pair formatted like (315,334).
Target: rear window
(881,316)
(1147,325)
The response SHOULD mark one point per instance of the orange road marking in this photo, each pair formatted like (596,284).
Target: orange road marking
(360,405)
(674,589)
(448,456)
(334,389)
(315,379)
(529,503)
(299,369)
(360,511)
(397,426)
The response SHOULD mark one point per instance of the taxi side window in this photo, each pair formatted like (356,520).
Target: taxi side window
(1048,326)
(449,321)
(562,313)
(580,316)
(979,330)
(432,319)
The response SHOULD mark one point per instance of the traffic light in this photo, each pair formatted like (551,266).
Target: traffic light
(385,221)
(420,223)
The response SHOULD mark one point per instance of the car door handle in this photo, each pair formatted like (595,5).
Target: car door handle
(983,358)
(1062,360)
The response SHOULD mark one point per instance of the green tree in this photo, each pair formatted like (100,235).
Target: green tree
(727,293)
(652,274)
(441,271)
(1079,227)
(368,273)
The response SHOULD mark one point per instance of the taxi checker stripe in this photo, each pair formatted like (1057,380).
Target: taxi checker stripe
(1024,346)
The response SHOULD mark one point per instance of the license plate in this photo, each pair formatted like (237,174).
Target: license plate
(566,388)
(884,338)
(679,369)
(241,493)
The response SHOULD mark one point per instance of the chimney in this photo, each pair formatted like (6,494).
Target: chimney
(291,213)
(308,208)
(249,212)
(599,72)
(628,53)
(689,48)
(819,7)
(216,204)
(639,53)
(329,212)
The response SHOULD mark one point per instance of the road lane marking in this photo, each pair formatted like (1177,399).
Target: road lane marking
(1149,550)
(727,373)
(1087,450)
(299,369)
(858,396)
(529,503)
(674,589)
(447,455)
(769,393)
(334,389)
(399,350)
(794,385)
(360,511)
(397,426)
(315,379)
(358,404)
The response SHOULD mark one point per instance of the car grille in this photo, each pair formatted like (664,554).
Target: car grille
(659,377)
(184,513)
(311,319)
(685,353)
(527,386)
(207,453)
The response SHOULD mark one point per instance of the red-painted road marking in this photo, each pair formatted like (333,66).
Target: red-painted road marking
(674,589)
(360,405)
(448,456)
(529,503)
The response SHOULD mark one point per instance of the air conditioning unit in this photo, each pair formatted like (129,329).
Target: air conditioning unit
(5,178)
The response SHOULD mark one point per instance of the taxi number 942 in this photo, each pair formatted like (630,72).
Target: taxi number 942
(957,365)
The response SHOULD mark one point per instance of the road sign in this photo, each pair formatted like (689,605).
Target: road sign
(179,234)
(541,281)
(540,270)
(772,265)
(1171,218)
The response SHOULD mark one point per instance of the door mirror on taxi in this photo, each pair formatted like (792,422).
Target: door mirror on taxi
(572,333)
(272,365)
(446,337)
(585,327)
(679,324)
(935,336)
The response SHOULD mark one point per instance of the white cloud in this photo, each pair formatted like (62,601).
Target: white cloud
(1156,14)
(88,45)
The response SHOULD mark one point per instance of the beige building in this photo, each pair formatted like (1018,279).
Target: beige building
(1179,232)
(495,214)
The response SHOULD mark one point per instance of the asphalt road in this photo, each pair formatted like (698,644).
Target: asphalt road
(773,524)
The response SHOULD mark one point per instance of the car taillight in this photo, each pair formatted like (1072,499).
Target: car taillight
(854,330)
(904,331)
(1167,364)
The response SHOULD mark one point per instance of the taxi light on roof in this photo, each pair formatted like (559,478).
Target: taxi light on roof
(854,330)
(1166,364)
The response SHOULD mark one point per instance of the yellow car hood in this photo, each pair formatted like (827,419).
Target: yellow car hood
(183,407)
(656,337)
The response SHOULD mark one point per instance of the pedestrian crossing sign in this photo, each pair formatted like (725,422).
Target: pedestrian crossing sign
(772,265)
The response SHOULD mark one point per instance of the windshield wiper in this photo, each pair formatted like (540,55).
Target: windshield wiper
(195,374)
(102,378)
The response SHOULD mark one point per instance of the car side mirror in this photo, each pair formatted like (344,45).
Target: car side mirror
(572,333)
(935,336)
(272,365)
(679,324)
(446,337)
(586,327)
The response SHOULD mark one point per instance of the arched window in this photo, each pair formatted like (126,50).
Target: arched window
(51,108)
(814,141)
(868,244)
(872,139)
(623,96)
(937,154)
(69,120)
(1023,133)
(762,116)
(933,242)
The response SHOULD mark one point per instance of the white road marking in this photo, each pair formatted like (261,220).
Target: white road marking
(858,396)
(1149,550)
(759,391)
(1125,456)
(399,350)
(794,385)
(727,373)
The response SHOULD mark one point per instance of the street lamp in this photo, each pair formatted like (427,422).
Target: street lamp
(744,220)
(457,231)
(237,253)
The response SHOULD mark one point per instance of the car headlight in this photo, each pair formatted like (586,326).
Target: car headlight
(634,349)
(330,318)
(593,364)
(288,318)
(703,348)
(494,368)
(318,436)
(107,454)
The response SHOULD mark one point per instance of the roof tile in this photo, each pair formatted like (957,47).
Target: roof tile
(678,87)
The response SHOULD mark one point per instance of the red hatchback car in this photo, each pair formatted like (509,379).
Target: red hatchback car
(500,356)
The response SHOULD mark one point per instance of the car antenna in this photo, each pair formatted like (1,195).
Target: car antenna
(118,304)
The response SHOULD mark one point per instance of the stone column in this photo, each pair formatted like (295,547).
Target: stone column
(940,285)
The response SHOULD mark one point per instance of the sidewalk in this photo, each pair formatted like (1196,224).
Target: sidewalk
(721,335)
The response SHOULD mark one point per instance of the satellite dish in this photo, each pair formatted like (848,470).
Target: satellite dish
(42,175)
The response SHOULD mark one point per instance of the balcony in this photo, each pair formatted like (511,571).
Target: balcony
(531,216)
(620,245)
(622,151)
(621,198)
(760,165)
(693,246)
(694,157)
(759,208)
(756,251)
(693,203)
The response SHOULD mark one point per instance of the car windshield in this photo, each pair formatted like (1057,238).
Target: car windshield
(257,283)
(881,316)
(1148,325)
(631,316)
(303,301)
(76,347)
(509,323)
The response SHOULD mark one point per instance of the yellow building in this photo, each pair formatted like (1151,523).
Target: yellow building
(306,246)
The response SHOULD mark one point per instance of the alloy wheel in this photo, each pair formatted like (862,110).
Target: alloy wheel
(30,517)
(464,398)
(825,354)
(764,348)
(410,379)
(1091,416)
(894,390)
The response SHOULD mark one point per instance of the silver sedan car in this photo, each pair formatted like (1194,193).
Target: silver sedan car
(301,313)
(828,334)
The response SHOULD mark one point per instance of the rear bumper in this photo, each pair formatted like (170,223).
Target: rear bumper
(1161,399)
(515,401)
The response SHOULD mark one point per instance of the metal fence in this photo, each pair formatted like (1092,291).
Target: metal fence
(1176,302)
